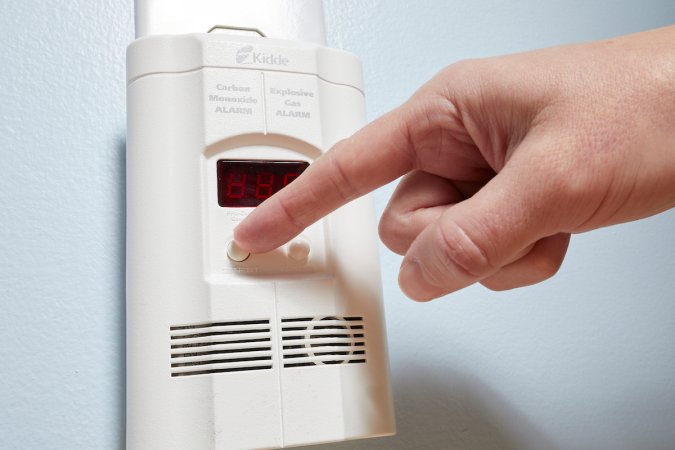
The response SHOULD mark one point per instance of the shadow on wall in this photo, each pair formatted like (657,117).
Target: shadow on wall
(121,160)
(450,411)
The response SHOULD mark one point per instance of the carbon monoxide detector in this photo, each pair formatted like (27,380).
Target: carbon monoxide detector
(227,350)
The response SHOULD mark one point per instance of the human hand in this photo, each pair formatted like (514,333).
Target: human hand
(502,159)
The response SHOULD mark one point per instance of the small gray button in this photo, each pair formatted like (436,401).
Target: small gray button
(235,253)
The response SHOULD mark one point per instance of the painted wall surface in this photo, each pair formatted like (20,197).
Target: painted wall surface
(583,361)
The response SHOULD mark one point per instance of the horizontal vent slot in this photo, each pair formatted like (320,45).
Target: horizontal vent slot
(220,324)
(230,369)
(223,351)
(264,337)
(220,331)
(221,361)
(308,341)
(220,347)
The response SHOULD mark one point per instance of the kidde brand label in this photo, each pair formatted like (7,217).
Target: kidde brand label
(250,55)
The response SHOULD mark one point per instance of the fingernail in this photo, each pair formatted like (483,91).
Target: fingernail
(412,282)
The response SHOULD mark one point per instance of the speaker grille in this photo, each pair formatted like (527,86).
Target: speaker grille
(217,347)
(309,341)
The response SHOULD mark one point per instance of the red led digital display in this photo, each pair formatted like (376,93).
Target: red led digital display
(248,183)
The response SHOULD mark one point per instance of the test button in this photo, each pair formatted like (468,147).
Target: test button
(235,253)
(298,249)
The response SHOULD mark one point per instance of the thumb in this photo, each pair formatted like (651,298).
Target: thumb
(475,238)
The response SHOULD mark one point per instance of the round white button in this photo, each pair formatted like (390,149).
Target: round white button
(235,253)
(298,249)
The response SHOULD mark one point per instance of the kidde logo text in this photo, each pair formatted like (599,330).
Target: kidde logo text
(246,55)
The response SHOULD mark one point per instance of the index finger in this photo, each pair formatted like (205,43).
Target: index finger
(377,154)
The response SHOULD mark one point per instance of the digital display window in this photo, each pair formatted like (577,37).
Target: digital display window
(247,183)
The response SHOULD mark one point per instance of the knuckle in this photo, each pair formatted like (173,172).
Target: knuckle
(530,270)
(456,249)
(394,232)
(545,267)
(340,179)
(296,221)
(466,74)
(461,70)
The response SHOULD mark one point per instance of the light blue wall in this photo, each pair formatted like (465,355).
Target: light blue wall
(584,361)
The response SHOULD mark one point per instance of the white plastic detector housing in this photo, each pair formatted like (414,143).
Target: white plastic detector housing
(272,350)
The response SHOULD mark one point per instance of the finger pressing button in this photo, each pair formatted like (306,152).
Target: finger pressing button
(235,253)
